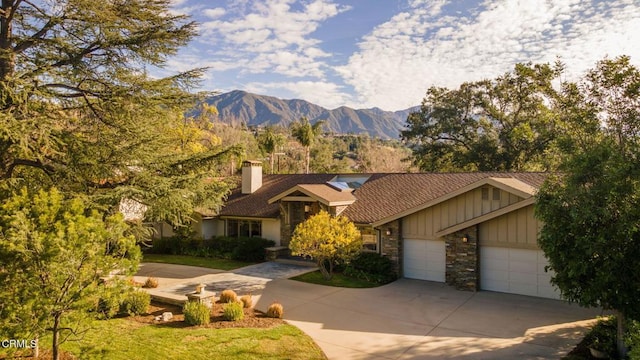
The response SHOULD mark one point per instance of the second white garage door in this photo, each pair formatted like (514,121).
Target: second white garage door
(424,260)
(515,271)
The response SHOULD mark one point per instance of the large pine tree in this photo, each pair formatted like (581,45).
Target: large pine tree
(79,110)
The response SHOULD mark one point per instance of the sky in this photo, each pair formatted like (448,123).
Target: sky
(387,53)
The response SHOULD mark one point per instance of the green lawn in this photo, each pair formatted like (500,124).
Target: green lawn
(126,339)
(337,280)
(220,264)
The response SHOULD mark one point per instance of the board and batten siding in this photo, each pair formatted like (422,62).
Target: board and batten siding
(517,229)
(425,223)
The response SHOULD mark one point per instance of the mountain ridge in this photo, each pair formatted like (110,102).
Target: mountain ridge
(239,107)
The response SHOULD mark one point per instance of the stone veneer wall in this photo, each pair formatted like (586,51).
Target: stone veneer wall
(390,245)
(462,259)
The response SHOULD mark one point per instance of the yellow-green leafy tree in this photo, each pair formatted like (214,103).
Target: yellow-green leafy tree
(326,239)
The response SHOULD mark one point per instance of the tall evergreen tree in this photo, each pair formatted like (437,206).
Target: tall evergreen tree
(78,109)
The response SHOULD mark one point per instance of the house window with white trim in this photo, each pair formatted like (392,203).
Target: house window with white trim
(369,242)
(244,228)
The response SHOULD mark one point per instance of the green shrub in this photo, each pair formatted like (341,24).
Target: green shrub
(371,267)
(136,302)
(227,296)
(233,311)
(251,249)
(108,305)
(242,248)
(603,336)
(196,313)
(632,339)
(247,301)
(275,310)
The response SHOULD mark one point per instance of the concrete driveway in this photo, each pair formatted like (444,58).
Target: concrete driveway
(411,319)
(407,319)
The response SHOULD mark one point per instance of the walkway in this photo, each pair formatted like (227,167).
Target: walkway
(407,319)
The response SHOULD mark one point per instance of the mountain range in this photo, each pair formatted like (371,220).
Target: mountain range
(240,107)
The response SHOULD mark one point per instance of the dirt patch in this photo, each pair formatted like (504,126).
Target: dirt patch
(252,318)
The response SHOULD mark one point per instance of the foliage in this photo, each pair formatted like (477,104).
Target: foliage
(247,301)
(196,313)
(136,302)
(326,239)
(371,267)
(275,310)
(250,249)
(79,111)
(228,296)
(233,311)
(151,283)
(211,263)
(501,124)
(270,141)
(633,339)
(109,305)
(602,337)
(591,233)
(53,253)
(306,135)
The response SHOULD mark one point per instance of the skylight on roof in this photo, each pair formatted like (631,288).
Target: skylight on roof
(348,182)
(339,185)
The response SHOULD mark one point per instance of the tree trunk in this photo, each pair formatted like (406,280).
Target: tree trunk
(326,274)
(622,350)
(36,348)
(7,59)
(56,337)
(271,159)
(307,159)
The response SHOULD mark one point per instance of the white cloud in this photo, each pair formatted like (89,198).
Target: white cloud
(274,36)
(401,58)
(214,13)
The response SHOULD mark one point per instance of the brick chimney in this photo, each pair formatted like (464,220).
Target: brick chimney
(251,176)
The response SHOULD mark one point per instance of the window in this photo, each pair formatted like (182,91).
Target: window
(485,193)
(244,228)
(232,228)
(496,194)
(370,242)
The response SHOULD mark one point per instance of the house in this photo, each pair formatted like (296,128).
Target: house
(471,230)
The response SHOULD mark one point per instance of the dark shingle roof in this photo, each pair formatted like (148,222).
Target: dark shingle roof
(381,197)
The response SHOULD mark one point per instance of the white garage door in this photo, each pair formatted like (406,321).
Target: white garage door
(515,271)
(424,260)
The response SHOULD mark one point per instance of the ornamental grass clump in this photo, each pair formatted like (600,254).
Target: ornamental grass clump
(275,310)
(151,283)
(247,301)
(233,311)
(136,302)
(228,296)
(196,313)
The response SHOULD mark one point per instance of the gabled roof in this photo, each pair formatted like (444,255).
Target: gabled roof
(257,204)
(323,193)
(383,196)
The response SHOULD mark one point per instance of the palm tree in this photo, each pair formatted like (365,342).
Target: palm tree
(306,134)
(269,141)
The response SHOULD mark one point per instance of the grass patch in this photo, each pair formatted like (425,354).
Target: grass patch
(125,339)
(211,263)
(338,280)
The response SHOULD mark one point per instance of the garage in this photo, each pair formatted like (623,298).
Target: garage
(424,260)
(515,271)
